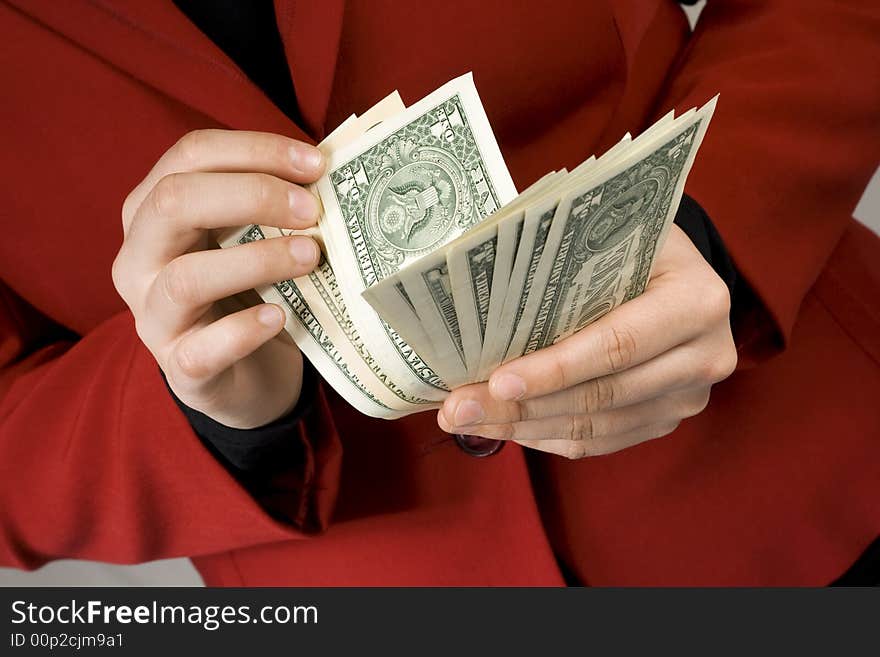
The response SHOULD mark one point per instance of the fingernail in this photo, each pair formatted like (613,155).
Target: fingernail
(303,204)
(304,250)
(507,387)
(468,412)
(307,159)
(269,316)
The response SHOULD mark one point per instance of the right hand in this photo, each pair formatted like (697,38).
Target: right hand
(231,362)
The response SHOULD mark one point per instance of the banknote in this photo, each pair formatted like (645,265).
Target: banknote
(471,266)
(458,333)
(536,228)
(316,316)
(416,183)
(394,301)
(346,132)
(323,347)
(321,287)
(521,307)
(480,264)
(605,236)
(430,292)
(410,186)
(509,237)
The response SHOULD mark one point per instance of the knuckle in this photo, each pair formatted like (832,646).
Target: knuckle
(598,395)
(579,428)
(727,363)
(119,274)
(179,286)
(260,192)
(265,259)
(717,298)
(703,401)
(719,368)
(605,394)
(588,400)
(189,149)
(575,450)
(505,431)
(558,370)
(696,403)
(705,371)
(128,210)
(274,149)
(168,195)
(269,260)
(187,362)
(265,149)
(141,329)
(620,348)
(666,429)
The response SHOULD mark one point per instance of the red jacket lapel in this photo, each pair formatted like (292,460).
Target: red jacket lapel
(155,43)
(310,32)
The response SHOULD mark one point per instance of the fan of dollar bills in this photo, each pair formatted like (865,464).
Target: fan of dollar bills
(436,271)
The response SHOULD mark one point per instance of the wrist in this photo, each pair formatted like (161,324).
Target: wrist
(256,449)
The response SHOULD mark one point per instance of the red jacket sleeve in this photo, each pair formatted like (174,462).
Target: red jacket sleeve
(97,462)
(793,142)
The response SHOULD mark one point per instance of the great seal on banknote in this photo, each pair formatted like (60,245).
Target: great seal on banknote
(619,216)
(420,193)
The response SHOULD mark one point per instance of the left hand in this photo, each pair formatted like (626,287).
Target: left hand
(631,376)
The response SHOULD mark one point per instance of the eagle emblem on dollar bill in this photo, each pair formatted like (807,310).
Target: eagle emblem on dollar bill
(420,192)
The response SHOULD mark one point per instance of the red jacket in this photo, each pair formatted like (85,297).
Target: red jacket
(777,482)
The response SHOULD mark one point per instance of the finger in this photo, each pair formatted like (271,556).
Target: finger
(231,151)
(182,206)
(185,288)
(573,449)
(664,317)
(206,352)
(698,362)
(677,254)
(595,426)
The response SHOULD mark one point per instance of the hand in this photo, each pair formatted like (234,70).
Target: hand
(631,376)
(220,357)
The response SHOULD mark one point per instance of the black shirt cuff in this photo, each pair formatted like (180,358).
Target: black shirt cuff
(260,453)
(695,223)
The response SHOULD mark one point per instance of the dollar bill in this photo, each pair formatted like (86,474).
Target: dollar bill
(480,263)
(423,178)
(394,301)
(317,318)
(605,236)
(410,186)
(346,132)
(430,290)
(325,349)
(471,266)
(322,288)
(536,228)
(443,292)
(519,310)
(509,237)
